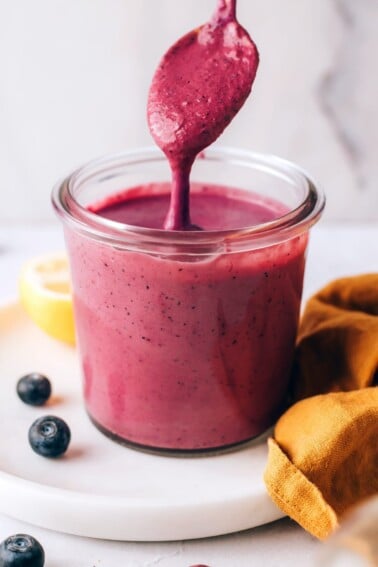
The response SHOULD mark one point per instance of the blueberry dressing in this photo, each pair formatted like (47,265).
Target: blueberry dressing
(212,207)
(200,85)
(191,353)
(188,352)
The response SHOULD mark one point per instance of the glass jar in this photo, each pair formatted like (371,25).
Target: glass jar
(186,339)
(355,542)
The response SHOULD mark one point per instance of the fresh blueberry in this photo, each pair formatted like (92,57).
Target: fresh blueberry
(21,550)
(49,436)
(34,389)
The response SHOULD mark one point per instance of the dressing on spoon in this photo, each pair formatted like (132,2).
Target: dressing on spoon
(199,86)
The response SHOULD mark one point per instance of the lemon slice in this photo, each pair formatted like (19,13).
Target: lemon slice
(44,288)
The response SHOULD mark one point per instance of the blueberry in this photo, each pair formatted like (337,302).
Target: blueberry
(49,436)
(34,389)
(21,550)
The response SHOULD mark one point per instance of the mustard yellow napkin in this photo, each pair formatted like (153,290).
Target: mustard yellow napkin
(324,455)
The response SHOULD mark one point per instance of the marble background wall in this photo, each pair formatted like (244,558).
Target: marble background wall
(74,76)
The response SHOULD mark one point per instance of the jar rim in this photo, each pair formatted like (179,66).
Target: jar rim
(285,227)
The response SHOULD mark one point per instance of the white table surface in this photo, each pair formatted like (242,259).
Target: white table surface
(335,250)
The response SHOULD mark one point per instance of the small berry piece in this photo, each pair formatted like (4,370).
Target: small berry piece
(49,436)
(21,550)
(34,389)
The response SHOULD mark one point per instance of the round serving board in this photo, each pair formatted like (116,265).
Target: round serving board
(102,489)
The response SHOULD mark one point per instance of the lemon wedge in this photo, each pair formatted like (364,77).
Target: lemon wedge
(44,288)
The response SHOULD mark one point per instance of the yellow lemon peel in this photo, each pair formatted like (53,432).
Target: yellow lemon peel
(45,293)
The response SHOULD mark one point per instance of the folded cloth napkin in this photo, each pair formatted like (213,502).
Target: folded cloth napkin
(324,455)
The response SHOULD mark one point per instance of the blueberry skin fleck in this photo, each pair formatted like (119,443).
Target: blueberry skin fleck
(49,436)
(34,389)
(21,550)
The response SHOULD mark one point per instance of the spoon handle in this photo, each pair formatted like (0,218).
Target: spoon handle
(226,9)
